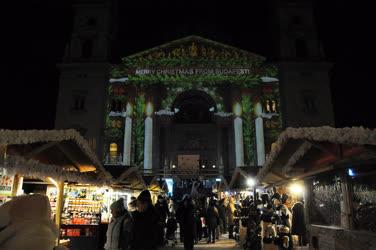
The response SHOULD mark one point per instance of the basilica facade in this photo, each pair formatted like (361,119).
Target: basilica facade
(192,107)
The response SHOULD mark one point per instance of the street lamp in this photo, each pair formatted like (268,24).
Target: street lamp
(251,182)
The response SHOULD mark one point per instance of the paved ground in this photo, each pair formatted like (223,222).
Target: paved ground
(222,243)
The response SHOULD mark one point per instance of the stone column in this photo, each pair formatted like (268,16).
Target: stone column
(127,145)
(127,141)
(260,143)
(148,143)
(238,133)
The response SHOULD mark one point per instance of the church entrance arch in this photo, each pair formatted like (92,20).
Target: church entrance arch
(194,106)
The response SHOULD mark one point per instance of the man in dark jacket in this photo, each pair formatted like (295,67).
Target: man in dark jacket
(145,219)
(222,216)
(298,222)
(212,218)
(179,218)
(188,223)
(161,208)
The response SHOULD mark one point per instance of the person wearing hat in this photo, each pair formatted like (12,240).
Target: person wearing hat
(145,224)
(120,228)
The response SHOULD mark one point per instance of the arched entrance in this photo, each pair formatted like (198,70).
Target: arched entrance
(194,106)
(188,140)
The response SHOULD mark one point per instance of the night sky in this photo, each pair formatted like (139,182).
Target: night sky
(35,35)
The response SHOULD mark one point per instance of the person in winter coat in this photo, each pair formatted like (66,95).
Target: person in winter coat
(179,218)
(161,208)
(120,228)
(222,216)
(25,223)
(230,209)
(145,224)
(212,217)
(132,205)
(188,223)
(298,226)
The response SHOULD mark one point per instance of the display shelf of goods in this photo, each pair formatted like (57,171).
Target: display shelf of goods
(82,206)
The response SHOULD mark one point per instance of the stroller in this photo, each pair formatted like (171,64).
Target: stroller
(171,226)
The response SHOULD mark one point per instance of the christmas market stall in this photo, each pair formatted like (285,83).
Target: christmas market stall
(54,162)
(329,173)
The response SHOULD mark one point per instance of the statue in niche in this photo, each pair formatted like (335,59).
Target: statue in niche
(274,106)
(309,103)
(267,106)
(193,50)
(203,51)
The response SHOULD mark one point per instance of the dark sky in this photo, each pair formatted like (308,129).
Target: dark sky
(36,34)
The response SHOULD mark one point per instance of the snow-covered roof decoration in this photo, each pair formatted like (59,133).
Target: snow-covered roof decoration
(164,112)
(114,80)
(223,114)
(31,168)
(269,79)
(351,136)
(117,114)
(24,137)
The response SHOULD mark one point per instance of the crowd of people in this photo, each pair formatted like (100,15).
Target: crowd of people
(147,226)
(261,223)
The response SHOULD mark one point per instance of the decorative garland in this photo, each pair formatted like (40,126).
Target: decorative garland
(139,129)
(248,130)
(245,81)
(173,92)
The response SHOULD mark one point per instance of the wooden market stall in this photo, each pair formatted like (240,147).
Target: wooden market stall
(337,166)
(58,157)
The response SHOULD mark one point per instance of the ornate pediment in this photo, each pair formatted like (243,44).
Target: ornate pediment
(192,48)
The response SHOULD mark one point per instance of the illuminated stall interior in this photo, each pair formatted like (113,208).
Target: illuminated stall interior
(334,168)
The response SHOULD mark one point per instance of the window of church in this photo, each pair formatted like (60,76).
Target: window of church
(78,102)
(87,49)
(116,106)
(301,48)
(92,22)
(113,152)
(296,20)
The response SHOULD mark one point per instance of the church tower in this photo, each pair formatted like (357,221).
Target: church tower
(304,73)
(84,72)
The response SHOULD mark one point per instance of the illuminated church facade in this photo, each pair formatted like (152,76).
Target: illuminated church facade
(192,107)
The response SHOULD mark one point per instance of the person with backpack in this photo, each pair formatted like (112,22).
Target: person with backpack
(120,228)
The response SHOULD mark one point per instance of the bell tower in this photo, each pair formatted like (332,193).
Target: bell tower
(304,73)
(84,71)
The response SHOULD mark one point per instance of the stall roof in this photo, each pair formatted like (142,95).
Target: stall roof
(60,154)
(303,152)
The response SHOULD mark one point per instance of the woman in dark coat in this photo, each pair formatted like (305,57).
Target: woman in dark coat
(212,218)
(188,223)
(145,227)
(298,222)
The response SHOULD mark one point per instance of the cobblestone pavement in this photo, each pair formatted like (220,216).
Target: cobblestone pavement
(222,243)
